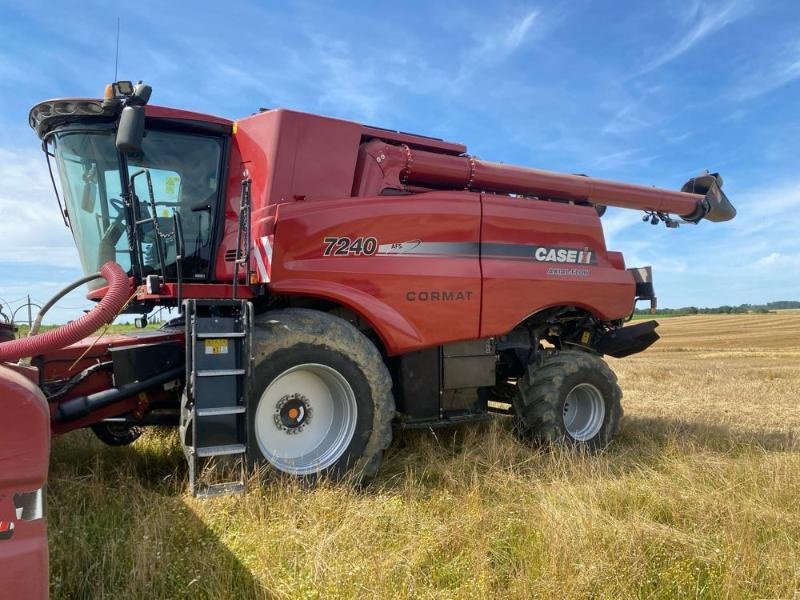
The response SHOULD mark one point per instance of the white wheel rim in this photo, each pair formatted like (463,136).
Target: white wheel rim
(324,405)
(584,412)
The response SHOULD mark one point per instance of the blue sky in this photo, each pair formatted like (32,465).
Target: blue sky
(650,93)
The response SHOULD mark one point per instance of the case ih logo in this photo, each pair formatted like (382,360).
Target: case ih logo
(573,256)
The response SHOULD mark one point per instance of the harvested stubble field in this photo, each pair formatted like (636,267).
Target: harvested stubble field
(698,497)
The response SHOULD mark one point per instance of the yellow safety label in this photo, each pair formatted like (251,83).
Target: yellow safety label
(216,346)
(169,185)
(585,337)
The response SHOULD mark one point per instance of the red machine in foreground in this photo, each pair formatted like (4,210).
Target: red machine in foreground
(334,280)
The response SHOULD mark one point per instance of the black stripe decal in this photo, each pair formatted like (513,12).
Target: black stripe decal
(418,248)
(493,250)
(532,252)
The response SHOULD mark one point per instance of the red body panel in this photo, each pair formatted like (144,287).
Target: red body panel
(24,456)
(518,287)
(163,112)
(393,291)
(280,150)
(310,182)
(386,288)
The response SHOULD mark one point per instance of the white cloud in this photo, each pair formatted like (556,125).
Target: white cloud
(31,230)
(628,119)
(702,20)
(617,220)
(499,40)
(348,81)
(769,260)
(33,239)
(763,79)
(496,42)
(621,158)
(513,39)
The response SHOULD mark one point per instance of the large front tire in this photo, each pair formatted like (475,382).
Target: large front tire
(570,398)
(321,401)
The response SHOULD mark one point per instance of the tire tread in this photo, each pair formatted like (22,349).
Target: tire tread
(284,328)
(537,404)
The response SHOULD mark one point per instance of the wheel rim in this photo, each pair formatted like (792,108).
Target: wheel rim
(306,419)
(584,412)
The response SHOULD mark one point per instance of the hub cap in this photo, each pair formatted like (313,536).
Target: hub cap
(293,413)
(306,419)
(584,412)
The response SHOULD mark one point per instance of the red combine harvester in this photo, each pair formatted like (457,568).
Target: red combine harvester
(334,280)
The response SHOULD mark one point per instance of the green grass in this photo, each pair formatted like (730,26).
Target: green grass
(649,317)
(463,513)
(22,330)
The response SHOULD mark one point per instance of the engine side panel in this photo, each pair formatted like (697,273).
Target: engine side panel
(408,264)
(535,255)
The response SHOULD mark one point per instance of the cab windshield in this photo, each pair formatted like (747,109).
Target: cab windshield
(184,177)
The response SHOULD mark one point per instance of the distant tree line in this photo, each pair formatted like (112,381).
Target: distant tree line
(725,309)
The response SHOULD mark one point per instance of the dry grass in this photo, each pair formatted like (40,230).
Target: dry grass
(698,498)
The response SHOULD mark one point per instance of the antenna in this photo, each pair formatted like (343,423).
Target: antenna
(116,54)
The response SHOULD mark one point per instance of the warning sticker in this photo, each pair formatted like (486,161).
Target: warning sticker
(216,346)
(169,185)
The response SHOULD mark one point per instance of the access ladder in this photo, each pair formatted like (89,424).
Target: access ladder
(213,424)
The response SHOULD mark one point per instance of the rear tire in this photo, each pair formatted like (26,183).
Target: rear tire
(116,434)
(321,401)
(571,398)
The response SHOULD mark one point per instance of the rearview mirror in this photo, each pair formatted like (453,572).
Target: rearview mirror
(131,129)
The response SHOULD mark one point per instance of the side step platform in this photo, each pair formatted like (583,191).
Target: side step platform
(213,425)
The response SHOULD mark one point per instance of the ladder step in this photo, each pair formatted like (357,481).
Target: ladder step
(220,372)
(220,489)
(233,334)
(207,451)
(221,410)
